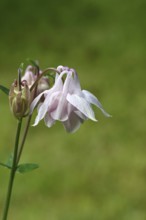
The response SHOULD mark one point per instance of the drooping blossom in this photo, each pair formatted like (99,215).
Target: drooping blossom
(66,102)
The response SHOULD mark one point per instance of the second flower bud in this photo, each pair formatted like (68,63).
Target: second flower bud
(19,99)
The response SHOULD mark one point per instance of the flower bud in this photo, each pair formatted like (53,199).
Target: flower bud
(19,99)
(43,84)
(30,77)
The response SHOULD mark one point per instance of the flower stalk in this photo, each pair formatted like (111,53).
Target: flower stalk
(13,171)
(23,139)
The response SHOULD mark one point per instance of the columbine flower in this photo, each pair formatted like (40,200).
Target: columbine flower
(66,102)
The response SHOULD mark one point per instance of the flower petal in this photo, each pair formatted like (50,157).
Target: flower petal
(49,104)
(73,123)
(56,76)
(29,76)
(60,68)
(37,120)
(49,121)
(67,83)
(35,102)
(93,100)
(77,82)
(82,105)
(81,115)
(74,86)
(60,113)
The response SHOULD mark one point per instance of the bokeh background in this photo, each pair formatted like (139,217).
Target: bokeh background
(98,173)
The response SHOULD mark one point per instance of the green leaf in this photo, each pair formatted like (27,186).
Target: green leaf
(26,167)
(4,89)
(9,162)
(5,165)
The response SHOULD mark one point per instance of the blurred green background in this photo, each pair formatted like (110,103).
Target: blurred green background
(98,173)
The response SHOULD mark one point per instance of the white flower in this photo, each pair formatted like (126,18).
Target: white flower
(66,102)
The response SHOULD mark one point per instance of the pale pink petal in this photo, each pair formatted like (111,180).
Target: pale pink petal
(67,83)
(49,121)
(63,68)
(74,86)
(54,101)
(60,68)
(37,120)
(77,82)
(82,105)
(58,82)
(56,76)
(35,101)
(60,113)
(72,124)
(29,76)
(93,100)
(49,104)
(71,109)
(81,115)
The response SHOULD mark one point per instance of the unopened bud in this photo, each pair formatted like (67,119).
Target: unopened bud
(19,99)
(30,77)
(43,85)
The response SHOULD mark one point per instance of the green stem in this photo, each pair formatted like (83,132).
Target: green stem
(13,171)
(23,139)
